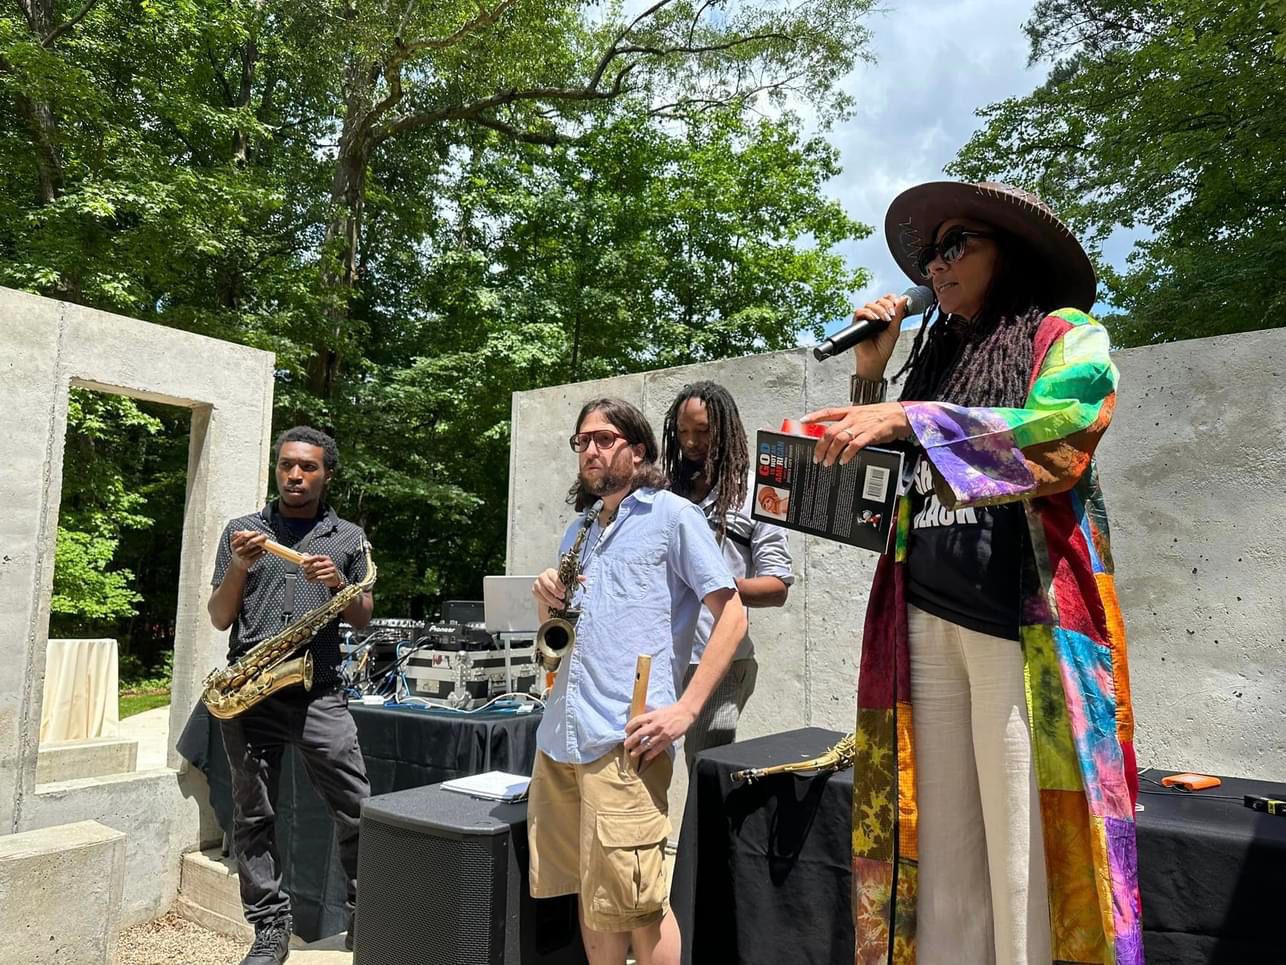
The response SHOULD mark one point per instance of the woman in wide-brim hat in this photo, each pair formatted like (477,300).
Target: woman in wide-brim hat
(993,806)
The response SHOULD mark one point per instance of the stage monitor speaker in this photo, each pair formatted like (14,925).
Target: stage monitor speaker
(442,880)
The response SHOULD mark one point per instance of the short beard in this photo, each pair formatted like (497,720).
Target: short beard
(609,482)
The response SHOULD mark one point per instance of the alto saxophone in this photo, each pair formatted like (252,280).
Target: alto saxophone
(556,635)
(269,665)
(836,759)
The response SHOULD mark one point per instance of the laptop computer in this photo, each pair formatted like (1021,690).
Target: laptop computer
(508,604)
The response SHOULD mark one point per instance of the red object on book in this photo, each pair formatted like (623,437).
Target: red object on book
(797,428)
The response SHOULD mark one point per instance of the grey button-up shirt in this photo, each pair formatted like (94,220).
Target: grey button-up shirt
(750,548)
(646,575)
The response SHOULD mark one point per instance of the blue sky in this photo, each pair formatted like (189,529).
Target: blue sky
(937,63)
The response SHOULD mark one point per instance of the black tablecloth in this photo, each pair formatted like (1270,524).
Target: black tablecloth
(403,747)
(763,871)
(1210,874)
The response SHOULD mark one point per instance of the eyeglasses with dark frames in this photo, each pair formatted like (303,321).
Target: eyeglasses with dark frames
(949,247)
(602,438)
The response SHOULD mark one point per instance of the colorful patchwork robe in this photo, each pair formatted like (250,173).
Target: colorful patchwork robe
(1073,643)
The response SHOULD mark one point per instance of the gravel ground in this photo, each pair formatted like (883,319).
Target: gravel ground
(172,940)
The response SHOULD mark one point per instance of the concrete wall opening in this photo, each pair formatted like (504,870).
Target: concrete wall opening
(47,350)
(112,614)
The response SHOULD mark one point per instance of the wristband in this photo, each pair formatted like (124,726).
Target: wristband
(866,391)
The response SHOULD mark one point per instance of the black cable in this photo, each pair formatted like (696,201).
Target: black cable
(1173,791)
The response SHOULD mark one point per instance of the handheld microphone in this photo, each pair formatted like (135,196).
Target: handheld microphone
(918,298)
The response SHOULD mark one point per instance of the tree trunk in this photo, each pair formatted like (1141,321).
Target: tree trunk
(344,233)
(249,64)
(38,115)
(43,128)
(586,216)
(249,60)
(343,236)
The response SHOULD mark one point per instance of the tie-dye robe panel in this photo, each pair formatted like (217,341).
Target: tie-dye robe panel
(1073,642)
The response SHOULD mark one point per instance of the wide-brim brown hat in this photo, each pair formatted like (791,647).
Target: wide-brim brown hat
(916,213)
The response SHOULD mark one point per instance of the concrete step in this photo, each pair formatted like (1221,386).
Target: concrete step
(328,951)
(61,889)
(77,760)
(210,896)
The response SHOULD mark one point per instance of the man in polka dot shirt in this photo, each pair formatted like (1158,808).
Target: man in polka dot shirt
(255,595)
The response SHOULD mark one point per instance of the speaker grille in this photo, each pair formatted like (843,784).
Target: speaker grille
(429,899)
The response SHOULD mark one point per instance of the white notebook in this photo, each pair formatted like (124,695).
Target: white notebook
(493,785)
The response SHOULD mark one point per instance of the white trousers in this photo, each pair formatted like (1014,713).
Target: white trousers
(982,887)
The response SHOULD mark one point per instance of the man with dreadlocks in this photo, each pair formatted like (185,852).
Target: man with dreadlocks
(993,798)
(707,459)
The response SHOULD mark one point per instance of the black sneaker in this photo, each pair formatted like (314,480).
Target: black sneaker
(272,943)
(351,934)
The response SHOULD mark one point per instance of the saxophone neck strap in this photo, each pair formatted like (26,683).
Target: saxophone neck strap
(288,596)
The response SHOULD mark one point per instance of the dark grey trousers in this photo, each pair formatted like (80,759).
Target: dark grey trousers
(323,731)
(716,725)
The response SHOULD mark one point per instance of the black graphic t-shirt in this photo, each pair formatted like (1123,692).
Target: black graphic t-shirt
(963,565)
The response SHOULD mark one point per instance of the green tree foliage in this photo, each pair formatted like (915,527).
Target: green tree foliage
(1160,116)
(632,249)
(104,434)
(421,208)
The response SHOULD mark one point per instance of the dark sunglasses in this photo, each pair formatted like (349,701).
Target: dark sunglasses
(603,438)
(949,247)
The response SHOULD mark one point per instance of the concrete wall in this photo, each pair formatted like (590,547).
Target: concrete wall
(161,814)
(1194,471)
(46,347)
(95,757)
(62,895)
(1194,477)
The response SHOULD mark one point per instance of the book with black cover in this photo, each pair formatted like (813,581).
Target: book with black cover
(851,504)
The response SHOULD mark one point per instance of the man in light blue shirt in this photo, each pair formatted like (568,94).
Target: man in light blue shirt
(597,818)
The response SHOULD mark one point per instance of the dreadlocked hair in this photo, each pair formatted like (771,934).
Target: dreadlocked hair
(984,361)
(727,465)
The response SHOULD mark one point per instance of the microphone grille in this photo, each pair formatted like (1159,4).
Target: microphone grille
(918,299)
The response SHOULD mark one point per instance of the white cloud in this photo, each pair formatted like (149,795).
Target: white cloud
(937,63)
(915,108)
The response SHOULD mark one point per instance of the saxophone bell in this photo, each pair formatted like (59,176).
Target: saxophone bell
(287,673)
(556,636)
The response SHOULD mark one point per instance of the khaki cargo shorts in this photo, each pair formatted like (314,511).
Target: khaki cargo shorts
(599,830)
